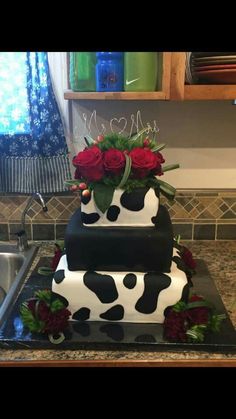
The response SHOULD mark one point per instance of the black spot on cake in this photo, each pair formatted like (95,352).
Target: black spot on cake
(114,313)
(157,192)
(113,331)
(81,314)
(154,283)
(56,296)
(82,328)
(145,338)
(59,276)
(89,218)
(102,285)
(134,201)
(180,263)
(154,220)
(185,293)
(130,281)
(85,199)
(113,212)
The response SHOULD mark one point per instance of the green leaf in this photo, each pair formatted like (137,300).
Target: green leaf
(197,333)
(29,320)
(170,167)
(44,295)
(180,306)
(215,322)
(158,147)
(134,138)
(167,189)
(103,195)
(89,140)
(69,182)
(56,305)
(60,244)
(128,163)
(56,340)
(45,270)
(196,304)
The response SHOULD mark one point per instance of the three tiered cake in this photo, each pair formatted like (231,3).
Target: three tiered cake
(120,263)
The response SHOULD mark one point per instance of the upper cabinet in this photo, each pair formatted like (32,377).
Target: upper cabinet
(181,91)
(162,91)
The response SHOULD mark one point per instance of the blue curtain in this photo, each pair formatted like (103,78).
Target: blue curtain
(33,150)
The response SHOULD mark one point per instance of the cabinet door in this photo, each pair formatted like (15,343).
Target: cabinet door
(162,92)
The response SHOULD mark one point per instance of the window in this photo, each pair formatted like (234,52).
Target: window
(33,149)
(14,105)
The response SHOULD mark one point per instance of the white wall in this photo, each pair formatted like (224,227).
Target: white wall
(200,135)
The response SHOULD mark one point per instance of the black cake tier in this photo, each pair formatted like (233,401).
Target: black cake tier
(139,249)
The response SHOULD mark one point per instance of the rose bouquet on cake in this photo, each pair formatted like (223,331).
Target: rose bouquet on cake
(46,313)
(113,161)
(191,321)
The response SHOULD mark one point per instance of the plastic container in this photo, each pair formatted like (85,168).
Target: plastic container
(110,72)
(82,71)
(140,71)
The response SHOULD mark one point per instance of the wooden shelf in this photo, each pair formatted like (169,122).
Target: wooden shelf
(163,93)
(70,95)
(210,92)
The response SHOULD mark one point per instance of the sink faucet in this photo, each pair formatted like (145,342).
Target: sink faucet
(22,241)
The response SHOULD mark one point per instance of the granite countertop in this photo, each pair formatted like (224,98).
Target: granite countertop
(220,257)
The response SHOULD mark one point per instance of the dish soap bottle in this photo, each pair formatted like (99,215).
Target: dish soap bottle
(110,71)
(140,71)
(82,71)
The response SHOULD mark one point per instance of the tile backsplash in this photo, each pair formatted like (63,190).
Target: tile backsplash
(196,215)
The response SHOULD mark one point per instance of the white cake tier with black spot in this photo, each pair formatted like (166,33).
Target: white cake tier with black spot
(135,297)
(138,208)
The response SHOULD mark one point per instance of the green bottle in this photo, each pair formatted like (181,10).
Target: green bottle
(82,71)
(140,71)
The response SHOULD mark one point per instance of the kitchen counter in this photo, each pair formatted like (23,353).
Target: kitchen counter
(220,257)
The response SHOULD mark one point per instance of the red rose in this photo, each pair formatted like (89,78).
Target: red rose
(158,169)
(188,258)
(143,161)
(175,326)
(90,163)
(160,157)
(56,259)
(57,321)
(195,297)
(198,315)
(114,161)
(77,174)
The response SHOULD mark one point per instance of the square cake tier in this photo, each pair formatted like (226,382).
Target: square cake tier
(120,248)
(136,297)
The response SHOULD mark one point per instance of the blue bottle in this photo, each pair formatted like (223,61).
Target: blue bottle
(110,72)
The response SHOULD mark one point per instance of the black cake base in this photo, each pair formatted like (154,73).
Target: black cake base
(118,336)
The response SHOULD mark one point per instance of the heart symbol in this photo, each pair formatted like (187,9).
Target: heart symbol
(121,121)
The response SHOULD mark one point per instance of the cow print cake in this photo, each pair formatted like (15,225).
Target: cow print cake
(137,208)
(121,266)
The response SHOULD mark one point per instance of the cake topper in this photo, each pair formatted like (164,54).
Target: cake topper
(116,125)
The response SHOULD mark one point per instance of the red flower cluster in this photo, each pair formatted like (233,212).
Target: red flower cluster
(92,163)
(187,257)
(56,258)
(45,314)
(179,320)
(53,322)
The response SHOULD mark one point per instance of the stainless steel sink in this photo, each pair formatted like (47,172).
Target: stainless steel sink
(14,266)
